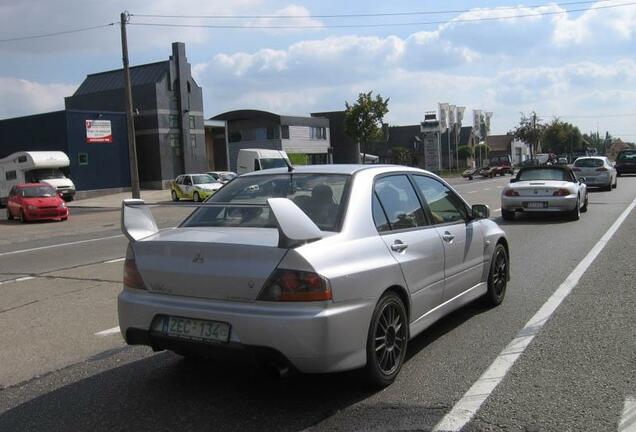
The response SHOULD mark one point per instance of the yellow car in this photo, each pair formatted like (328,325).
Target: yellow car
(195,187)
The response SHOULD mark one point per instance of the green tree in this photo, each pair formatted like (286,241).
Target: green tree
(363,119)
(402,156)
(529,130)
(465,152)
(561,137)
(481,150)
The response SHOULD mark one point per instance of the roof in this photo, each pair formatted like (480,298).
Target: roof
(245,115)
(403,135)
(347,169)
(112,80)
(249,114)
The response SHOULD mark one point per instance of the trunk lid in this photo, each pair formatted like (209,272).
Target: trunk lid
(539,188)
(229,264)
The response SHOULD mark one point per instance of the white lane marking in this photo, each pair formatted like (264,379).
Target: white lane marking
(114,260)
(486,189)
(471,192)
(469,404)
(108,332)
(20,279)
(628,419)
(60,245)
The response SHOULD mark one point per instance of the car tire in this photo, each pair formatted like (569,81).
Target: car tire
(196,197)
(615,183)
(507,214)
(584,208)
(387,341)
(174,196)
(23,218)
(497,277)
(470,177)
(575,213)
(618,174)
(9,215)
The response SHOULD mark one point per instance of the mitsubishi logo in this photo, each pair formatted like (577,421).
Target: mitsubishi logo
(198,259)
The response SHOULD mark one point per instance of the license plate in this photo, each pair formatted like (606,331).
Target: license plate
(537,204)
(193,329)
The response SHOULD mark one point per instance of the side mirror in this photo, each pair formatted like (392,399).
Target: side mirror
(480,211)
(513,180)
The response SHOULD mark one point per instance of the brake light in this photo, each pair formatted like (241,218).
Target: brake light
(561,192)
(296,286)
(511,192)
(132,277)
(602,169)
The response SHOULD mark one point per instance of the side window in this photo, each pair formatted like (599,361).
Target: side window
(10,175)
(179,180)
(257,165)
(444,204)
(187,181)
(399,201)
(12,192)
(379,217)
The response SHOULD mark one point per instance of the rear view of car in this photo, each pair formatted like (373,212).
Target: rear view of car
(626,162)
(596,170)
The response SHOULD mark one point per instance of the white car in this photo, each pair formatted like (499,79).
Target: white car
(597,171)
(544,189)
(320,268)
(222,176)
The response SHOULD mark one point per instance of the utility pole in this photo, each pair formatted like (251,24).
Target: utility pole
(132,146)
(534,135)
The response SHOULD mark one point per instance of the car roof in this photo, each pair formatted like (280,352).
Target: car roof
(25,185)
(348,169)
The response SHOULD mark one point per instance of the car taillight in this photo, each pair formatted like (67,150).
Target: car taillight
(511,192)
(132,277)
(561,192)
(602,169)
(296,286)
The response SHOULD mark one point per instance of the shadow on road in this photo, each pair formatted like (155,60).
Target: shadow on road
(165,392)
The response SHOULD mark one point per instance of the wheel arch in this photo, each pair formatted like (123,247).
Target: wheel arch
(504,242)
(404,296)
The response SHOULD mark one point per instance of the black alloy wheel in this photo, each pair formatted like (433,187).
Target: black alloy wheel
(497,277)
(387,340)
(575,213)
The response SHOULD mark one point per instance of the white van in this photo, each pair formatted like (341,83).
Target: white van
(260,159)
(35,167)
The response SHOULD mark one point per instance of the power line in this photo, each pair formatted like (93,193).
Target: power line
(596,116)
(364,15)
(63,32)
(320,26)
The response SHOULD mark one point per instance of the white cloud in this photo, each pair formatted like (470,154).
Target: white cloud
(22,97)
(596,26)
(295,16)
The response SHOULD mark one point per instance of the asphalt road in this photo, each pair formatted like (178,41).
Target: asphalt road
(56,373)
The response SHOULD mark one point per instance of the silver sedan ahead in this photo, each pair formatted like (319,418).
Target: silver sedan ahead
(317,269)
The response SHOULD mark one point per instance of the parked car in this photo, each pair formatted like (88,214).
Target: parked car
(544,189)
(626,162)
(222,176)
(195,187)
(35,201)
(322,269)
(597,171)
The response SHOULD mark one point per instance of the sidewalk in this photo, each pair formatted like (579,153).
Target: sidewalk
(114,200)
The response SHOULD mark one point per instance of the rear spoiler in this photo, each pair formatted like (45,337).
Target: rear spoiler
(295,228)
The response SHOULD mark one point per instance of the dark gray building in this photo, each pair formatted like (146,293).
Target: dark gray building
(261,129)
(168,106)
(345,150)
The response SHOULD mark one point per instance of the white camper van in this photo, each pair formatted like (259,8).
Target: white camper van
(35,167)
(260,159)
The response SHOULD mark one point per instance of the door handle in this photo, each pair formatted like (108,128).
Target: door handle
(398,246)
(448,237)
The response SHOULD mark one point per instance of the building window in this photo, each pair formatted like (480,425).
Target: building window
(189,88)
(284,131)
(235,136)
(22,159)
(173,121)
(191,122)
(10,175)
(193,141)
(82,158)
(318,133)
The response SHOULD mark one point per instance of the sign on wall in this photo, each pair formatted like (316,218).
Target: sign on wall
(98,131)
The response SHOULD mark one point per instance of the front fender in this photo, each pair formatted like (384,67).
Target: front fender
(493,234)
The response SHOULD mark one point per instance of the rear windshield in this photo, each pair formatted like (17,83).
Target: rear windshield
(588,163)
(273,163)
(543,174)
(627,155)
(320,196)
(37,191)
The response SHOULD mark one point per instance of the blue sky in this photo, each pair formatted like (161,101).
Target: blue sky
(579,65)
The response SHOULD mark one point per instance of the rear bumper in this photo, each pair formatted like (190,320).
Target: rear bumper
(311,337)
(601,180)
(554,204)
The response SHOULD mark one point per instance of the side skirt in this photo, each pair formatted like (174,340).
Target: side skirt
(430,317)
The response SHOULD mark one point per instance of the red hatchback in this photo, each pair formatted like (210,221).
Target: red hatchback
(35,201)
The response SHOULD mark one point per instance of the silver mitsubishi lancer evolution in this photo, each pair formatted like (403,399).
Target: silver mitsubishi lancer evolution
(315,269)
